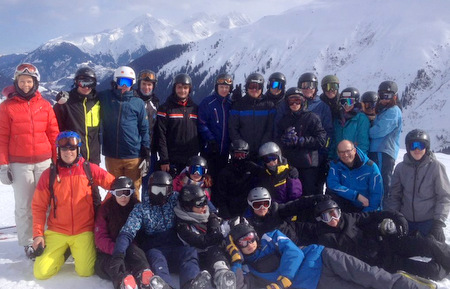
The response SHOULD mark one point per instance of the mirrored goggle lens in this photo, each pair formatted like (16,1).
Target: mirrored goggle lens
(68,142)
(347,101)
(69,148)
(240,155)
(417,145)
(86,83)
(253,85)
(256,205)
(332,214)
(369,105)
(332,86)
(308,85)
(247,239)
(269,158)
(276,84)
(386,95)
(122,192)
(26,67)
(147,76)
(295,100)
(228,81)
(156,190)
(200,203)
(199,170)
(125,81)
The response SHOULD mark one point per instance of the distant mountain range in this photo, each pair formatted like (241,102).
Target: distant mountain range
(362,42)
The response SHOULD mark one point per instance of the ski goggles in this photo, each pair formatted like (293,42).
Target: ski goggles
(68,142)
(240,155)
(69,148)
(308,85)
(276,85)
(257,205)
(86,82)
(254,86)
(369,104)
(121,81)
(26,67)
(201,202)
(417,145)
(197,169)
(147,76)
(347,101)
(329,215)
(125,193)
(227,81)
(244,241)
(295,100)
(157,190)
(269,158)
(386,95)
(331,87)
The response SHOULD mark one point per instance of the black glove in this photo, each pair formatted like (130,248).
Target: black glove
(293,173)
(437,231)
(117,264)
(62,97)
(236,94)
(387,227)
(213,147)
(214,222)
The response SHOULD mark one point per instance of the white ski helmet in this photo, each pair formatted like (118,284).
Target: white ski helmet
(126,72)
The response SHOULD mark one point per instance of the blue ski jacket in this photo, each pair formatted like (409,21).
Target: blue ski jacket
(385,132)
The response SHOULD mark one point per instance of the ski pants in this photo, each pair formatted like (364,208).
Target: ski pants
(128,168)
(25,179)
(81,246)
(386,165)
(181,259)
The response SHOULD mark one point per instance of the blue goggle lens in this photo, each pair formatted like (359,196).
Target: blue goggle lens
(277,84)
(125,81)
(417,145)
(347,101)
(199,170)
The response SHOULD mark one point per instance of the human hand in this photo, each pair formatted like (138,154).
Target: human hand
(387,227)
(236,94)
(62,97)
(5,175)
(363,200)
(117,264)
(233,251)
(437,231)
(144,167)
(282,283)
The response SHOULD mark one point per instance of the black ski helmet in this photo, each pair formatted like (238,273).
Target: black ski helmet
(195,162)
(182,78)
(254,78)
(324,206)
(369,96)
(277,76)
(239,145)
(307,77)
(295,91)
(148,75)
(85,73)
(122,182)
(239,227)
(224,79)
(417,135)
(350,92)
(190,195)
(388,86)
(160,179)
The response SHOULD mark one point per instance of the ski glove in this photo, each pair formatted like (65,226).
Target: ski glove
(213,147)
(62,97)
(144,166)
(387,227)
(282,282)
(437,231)
(5,175)
(236,94)
(233,251)
(117,264)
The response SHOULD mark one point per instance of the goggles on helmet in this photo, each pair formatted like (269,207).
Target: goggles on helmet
(369,104)
(254,85)
(147,76)
(122,192)
(86,82)
(347,101)
(258,204)
(227,81)
(386,95)
(417,145)
(244,241)
(197,169)
(276,84)
(308,85)
(156,190)
(201,202)
(269,158)
(240,155)
(26,67)
(331,86)
(331,214)
(68,142)
(121,81)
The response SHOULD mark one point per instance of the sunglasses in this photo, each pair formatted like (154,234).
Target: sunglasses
(26,67)
(256,205)
(199,170)
(308,85)
(126,193)
(147,76)
(295,100)
(69,148)
(200,203)
(386,95)
(347,101)
(227,81)
(369,105)
(68,142)
(269,158)
(253,85)
(121,81)
(156,190)
(331,87)
(417,145)
(244,241)
(86,83)
(329,215)
(276,84)
(240,155)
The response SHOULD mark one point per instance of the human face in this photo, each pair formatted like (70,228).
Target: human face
(308,92)
(123,201)
(275,91)
(254,89)
(146,87)
(416,152)
(25,83)
(200,210)
(223,90)
(182,91)
(369,107)
(251,245)
(84,90)
(331,94)
(331,217)
(69,154)
(346,152)
(295,102)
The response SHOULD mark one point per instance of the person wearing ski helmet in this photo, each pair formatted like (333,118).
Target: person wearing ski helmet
(235,181)
(252,117)
(196,173)
(126,140)
(213,115)
(301,135)
(66,187)
(177,127)
(160,241)
(198,227)
(79,110)
(369,101)
(146,83)
(420,188)
(276,87)
(330,95)
(276,175)
(385,132)
(28,131)
(110,218)
(352,125)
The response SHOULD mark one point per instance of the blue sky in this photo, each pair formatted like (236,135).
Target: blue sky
(24,24)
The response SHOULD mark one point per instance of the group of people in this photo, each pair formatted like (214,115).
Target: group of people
(263,180)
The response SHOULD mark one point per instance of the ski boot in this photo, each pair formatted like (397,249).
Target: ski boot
(128,282)
(158,283)
(225,279)
(201,281)
(422,281)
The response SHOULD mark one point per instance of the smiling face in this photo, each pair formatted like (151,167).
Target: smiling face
(69,154)
(182,91)
(146,87)
(25,83)
(346,152)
